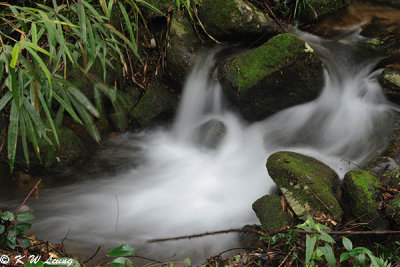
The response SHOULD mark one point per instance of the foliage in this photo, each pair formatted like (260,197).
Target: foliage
(12,228)
(41,44)
(293,8)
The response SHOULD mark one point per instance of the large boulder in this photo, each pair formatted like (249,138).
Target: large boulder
(307,184)
(361,187)
(158,103)
(269,211)
(283,72)
(236,20)
(182,48)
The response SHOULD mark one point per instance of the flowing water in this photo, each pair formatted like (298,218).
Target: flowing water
(204,172)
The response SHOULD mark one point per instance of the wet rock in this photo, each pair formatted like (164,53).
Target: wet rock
(360,186)
(283,72)
(390,82)
(182,48)
(269,211)
(306,183)
(157,104)
(70,150)
(236,20)
(314,9)
(211,133)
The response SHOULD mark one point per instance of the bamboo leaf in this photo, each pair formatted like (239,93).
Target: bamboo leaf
(67,106)
(41,63)
(23,138)
(14,86)
(14,56)
(49,118)
(31,134)
(150,6)
(34,33)
(13,134)
(36,47)
(5,99)
(126,40)
(90,126)
(127,22)
(104,8)
(81,98)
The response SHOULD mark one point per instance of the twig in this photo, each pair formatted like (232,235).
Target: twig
(141,257)
(287,256)
(94,255)
(65,238)
(219,254)
(273,14)
(30,193)
(371,232)
(237,230)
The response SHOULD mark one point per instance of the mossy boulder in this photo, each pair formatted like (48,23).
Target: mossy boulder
(283,72)
(269,211)
(392,211)
(182,48)
(314,9)
(236,20)
(157,104)
(360,186)
(307,184)
(390,82)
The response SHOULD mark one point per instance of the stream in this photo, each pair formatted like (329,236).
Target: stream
(203,172)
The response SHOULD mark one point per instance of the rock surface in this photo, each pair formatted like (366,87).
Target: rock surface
(235,20)
(360,186)
(390,82)
(157,103)
(281,73)
(182,48)
(269,211)
(305,182)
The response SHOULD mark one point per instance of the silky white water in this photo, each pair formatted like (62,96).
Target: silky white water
(204,172)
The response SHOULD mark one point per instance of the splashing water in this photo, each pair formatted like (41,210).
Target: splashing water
(204,173)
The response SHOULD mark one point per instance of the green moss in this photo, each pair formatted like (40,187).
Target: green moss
(255,65)
(360,186)
(306,183)
(220,13)
(269,211)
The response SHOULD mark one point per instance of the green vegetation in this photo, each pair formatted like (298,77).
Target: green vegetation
(40,44)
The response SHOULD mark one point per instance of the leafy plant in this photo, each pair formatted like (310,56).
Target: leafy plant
(121,254)
(12,228)
(313,251)
(294,8)
(41,45)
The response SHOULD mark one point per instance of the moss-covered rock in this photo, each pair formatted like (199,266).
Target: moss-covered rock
(316,8)
(236,20)
(281,73)
(306,183)
(182,48)
(390,82)
(158,103)
(269,211)
(360,186)
(392,211)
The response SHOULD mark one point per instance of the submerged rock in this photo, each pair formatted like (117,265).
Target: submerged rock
(158,103)
(306,183)
(283,72)
(182,48)
(236,20)
(210,133)
(360,186)
(269,211)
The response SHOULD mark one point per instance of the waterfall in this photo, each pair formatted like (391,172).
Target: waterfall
(204,172)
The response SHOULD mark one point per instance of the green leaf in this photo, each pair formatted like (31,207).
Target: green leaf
(23,139)
(187,262)
(124,250)
(23,242)
(34,33)
(329,255)
(344,256)
(11,241)
(2,229)
(133,46)
(13,134)
(49,118)
(31,133)
(25,216)
(397,202)
(14,86)
(68,108)
(36,47)
(347,244)
(36,120)
(325,237)
(89,124)
(310,244)
(122,262)
(127,22)
(23,227)
(41,63)
(5,99)
(81,98)
(14,57)
(7,216)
